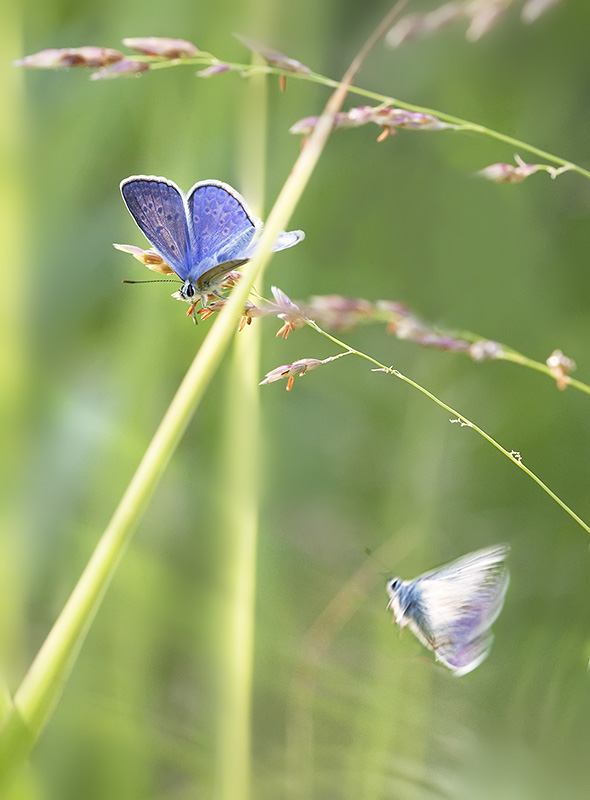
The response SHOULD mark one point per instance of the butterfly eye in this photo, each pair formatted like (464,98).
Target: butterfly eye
(188,289)
(394,584)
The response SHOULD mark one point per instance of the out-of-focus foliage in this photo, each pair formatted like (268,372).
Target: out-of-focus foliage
(343,707)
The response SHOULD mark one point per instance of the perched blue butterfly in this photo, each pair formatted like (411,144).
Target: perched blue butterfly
(451,609)
(202,236)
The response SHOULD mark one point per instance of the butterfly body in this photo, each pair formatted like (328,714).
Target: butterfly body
(451,609)
(203,235)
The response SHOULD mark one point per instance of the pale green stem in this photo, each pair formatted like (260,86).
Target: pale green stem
(240,506)
(239,534)
(14,357)
(42,685)
(512,455)
(14,370)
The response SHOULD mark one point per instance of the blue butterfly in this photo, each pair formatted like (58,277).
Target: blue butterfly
(451,609)
(202,236)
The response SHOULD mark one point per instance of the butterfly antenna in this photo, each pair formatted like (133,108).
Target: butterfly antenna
(155,280)
(372,555)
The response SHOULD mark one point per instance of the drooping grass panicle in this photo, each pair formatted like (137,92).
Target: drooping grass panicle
(392,114)
(479,17)
(338,313)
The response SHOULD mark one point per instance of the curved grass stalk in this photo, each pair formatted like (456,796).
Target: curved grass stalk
(430,336)
(457,417)
(507,353)
(464,125)
(503,353)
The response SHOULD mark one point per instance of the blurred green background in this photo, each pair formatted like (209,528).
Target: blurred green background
(343,708)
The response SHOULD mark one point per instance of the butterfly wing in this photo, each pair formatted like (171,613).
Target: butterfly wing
(451,609)
(222,225)
(284,240)
(459,603)
(287,239)
(158,207)
(224,232)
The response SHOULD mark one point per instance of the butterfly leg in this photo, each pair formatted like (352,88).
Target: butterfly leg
(191,312)
(210,291)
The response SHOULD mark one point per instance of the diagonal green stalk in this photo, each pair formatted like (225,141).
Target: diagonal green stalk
(43,684)
(511,455)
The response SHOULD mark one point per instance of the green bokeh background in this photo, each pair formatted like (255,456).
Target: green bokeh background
(351,458)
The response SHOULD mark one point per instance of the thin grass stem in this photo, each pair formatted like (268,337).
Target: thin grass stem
(464,421)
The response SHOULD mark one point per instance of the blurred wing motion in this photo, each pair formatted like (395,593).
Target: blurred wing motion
(451,609)
(158,208)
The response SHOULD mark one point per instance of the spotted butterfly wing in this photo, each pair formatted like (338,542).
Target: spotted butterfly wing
(203,236)
(222,225)
(158,207)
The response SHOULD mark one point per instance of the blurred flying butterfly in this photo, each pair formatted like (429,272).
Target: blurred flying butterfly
(451,609)
(202,236)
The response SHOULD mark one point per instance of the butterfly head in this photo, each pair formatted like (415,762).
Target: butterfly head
(191,292)
(393,587)
(187,292)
